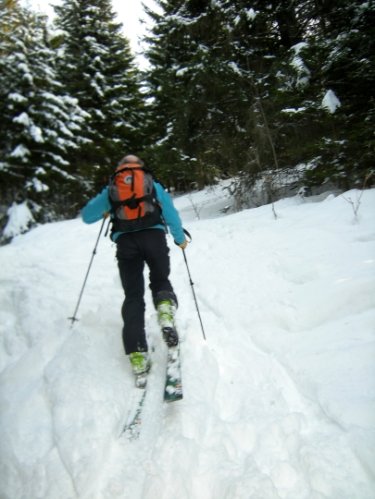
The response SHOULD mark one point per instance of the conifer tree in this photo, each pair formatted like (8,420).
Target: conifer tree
(192,87)
(40,124)
(97,68)
(342,53)
(324,92)
(211,74)
(244,88)
(260,38)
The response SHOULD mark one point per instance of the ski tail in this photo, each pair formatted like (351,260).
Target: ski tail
(173,379)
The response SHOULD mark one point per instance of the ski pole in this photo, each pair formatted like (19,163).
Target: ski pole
(192,286)
(74,317)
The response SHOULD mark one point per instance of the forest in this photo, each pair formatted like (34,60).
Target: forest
(276,95)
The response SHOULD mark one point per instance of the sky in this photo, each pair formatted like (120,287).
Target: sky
(130,12)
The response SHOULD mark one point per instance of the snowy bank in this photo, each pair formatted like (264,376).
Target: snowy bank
(279,402)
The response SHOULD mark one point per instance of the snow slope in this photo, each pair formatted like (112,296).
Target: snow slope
(279,402)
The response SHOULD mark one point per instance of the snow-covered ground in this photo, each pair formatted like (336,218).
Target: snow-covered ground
(279,402)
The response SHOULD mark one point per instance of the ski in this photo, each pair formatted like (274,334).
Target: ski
(173,380)
(172,392)
(132,427)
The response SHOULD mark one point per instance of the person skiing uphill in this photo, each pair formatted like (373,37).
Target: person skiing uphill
(138,230)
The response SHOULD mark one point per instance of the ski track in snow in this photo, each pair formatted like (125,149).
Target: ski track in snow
(278,402)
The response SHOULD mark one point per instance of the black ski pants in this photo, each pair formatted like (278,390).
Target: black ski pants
(134,250)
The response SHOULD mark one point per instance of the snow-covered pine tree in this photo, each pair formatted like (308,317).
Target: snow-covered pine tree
(271,38)
(98,69)
(323,92)
(39,125)
(341,56)
(211,79)
(257,42)
(193,88)
(250,89)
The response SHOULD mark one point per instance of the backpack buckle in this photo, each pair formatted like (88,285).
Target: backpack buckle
(132,203)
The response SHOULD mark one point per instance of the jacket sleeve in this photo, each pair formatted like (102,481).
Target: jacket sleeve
(170,214)
(96,208)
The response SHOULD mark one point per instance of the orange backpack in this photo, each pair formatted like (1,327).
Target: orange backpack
(133,198)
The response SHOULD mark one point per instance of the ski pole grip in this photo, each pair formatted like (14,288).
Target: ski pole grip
(188,236)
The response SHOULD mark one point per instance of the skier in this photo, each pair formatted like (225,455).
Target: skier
(146,244)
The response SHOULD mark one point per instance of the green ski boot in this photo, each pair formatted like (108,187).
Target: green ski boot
(166,310)
(140,362)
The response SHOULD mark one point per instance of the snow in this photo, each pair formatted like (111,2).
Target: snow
(16,97)
(23,119)
(20,151)
(37,185)
(36,133)
(251,14)
(19,220)
(330,101)
(298,47)
(293,110)
(234,67)
(299,65)
(279,402)
(302,70)
(182,71)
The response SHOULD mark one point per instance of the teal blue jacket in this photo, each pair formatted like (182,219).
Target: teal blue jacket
(97,207)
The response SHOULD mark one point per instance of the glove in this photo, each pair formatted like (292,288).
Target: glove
(183,245)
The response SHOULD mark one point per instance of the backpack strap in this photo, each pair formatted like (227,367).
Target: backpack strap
(133,202)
